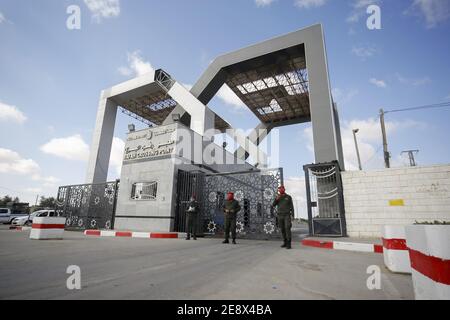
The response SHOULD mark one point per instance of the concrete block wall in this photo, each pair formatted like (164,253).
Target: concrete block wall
(425,192)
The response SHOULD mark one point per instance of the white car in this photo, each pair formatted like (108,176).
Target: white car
(5,214)
(28,220)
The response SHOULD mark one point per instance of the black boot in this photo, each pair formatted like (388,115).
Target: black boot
(284,244)
(226,241)
(195,237)
(234,241)
(288,244)
(188,238)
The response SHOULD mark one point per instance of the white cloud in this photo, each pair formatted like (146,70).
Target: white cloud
(49,181)
(33,190)
(229,97)
(75,149)
(103,8)
(70,148)
(413,81)
(364,51)
(434,12)
(369,140)
(11,113)
(342,97)
(137,66)
(12,162)
(263,3)
(378,83)
(2,18)
(359,8)
(306,4)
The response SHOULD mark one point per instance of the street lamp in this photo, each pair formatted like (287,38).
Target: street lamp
(355,131)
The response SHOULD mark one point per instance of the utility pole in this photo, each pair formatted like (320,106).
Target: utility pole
(412,160)
(385,145)
(355,131)
(37,198)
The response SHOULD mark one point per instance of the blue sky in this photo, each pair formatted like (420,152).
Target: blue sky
(51,77)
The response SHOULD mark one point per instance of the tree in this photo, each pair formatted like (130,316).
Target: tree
(47,202)
(5,200)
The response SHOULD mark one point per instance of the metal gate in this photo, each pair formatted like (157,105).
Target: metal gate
(188,184)
(88,206)
(326,212)
(255,190)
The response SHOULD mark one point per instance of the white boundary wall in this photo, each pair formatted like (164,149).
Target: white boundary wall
(399,196)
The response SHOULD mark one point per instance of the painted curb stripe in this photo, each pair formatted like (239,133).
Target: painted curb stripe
(436,269)
(378,248)
(92,232)
(48,226)
(164,235)
(395,244)
(318,244)
(124,234)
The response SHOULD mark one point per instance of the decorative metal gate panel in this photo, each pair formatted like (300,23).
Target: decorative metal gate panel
(88,206)
(326,211)
(255,190)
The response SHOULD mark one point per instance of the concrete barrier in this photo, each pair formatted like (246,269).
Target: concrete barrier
(46,228)
(395,250)
(429,252)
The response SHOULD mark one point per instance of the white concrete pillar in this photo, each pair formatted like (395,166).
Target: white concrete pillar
(325,134)
(97,171)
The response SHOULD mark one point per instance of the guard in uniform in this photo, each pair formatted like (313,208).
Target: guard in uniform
(231,208)
(192,211)
(284,216)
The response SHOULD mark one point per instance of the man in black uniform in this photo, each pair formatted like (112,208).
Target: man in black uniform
(231,208)
(285,213)
(192,211)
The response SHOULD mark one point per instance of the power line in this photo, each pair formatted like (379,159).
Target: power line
(430,106)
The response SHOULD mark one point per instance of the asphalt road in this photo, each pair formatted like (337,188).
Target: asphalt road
(124,268)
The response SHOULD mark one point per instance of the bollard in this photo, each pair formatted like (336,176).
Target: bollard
(395,250)
(46,228)
(429,252)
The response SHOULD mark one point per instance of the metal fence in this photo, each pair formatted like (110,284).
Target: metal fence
(88,206)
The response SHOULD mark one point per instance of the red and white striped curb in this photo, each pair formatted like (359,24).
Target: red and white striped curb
(346,246)
(132,234)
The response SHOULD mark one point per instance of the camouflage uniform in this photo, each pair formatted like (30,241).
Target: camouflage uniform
(284,216)
(231,208)
(192,211)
